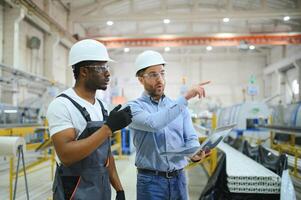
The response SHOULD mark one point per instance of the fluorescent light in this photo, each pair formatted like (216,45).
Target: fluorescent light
(251,47)
(226,19)
(286,18)
(224,35)
(126,49)
(110,23)
(10,111)
(166,21)
(209,48)
(167,49)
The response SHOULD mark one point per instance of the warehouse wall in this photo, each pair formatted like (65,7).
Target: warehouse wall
(278,53)
(1,41)
(1,31)
(49,60)
(229,75)
(55,10)
(59,14)
(60,64)
(280,81)
(31,60)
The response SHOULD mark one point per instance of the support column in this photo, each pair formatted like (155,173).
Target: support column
(51,43)
(1,43)
(11,55)
(12,19)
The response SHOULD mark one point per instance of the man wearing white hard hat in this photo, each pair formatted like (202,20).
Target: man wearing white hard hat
(80,128)
(161,124)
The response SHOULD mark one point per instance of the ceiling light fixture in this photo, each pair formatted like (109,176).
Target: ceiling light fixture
(286,18)
(110,23)
(10,111)
(166,21)
(126,49)
(166,49)
(226,19)
(251,47)
(209,48)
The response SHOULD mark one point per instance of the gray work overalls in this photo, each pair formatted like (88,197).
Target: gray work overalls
(87,179)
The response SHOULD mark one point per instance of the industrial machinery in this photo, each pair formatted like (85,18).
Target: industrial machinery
(247,116)
(285,121)
(18,115)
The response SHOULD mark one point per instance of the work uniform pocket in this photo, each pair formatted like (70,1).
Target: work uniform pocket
(69,184)
(58,188)
(93,187)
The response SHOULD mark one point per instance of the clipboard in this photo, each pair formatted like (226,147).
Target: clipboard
(211,142)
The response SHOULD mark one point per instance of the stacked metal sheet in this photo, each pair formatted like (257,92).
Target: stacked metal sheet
(244,175)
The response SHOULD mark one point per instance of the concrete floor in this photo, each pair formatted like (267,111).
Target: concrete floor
(39,182)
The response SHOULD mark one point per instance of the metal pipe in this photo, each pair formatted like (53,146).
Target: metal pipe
(283,129)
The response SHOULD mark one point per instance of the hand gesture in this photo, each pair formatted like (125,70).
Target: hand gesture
(197,90)
(119,119)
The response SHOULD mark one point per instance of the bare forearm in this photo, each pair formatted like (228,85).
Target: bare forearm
(114,178)
(77,150)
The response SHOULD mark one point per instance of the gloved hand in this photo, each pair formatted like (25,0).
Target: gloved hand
(119,119)
(120,195)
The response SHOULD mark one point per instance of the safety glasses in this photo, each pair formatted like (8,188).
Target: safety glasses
(155,75)
(100,68)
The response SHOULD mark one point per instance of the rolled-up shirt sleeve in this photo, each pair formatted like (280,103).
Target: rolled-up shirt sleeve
(152,122)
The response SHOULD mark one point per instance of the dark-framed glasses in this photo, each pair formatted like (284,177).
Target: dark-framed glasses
(100,68)
(155,75)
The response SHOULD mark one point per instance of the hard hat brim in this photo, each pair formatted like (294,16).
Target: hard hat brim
(111,60)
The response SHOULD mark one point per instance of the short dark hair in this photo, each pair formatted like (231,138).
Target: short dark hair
(76,67)
(140,72)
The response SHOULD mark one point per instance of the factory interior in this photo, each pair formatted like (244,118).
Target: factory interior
(249,50)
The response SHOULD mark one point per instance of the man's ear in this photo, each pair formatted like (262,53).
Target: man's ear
(141,80)
(83,71)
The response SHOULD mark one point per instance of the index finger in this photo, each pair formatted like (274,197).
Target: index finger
(204,83)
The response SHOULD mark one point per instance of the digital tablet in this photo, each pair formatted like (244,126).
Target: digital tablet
(211,141)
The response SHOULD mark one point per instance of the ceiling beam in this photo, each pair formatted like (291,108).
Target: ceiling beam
(90,8)
(173,41)
(196,16)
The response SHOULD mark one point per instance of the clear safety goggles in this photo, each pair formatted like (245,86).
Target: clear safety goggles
(100,68)
(155,75)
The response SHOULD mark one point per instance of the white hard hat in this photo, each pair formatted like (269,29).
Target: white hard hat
(86,50)
(148,58)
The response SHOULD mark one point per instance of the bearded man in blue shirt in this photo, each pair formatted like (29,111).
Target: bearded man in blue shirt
(161,124)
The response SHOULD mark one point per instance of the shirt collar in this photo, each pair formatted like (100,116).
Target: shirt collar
(146,96)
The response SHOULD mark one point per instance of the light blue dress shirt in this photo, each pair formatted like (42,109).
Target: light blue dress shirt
(159,127)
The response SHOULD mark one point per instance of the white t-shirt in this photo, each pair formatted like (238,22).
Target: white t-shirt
(62,114)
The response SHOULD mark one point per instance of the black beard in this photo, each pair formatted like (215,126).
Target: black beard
(92,86)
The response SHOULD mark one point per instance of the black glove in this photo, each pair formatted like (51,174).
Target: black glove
(120,195)
(119,119)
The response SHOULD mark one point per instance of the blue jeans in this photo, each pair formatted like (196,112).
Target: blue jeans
(154,187)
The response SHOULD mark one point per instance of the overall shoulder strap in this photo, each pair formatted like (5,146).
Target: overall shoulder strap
(103,110)
(82,110)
